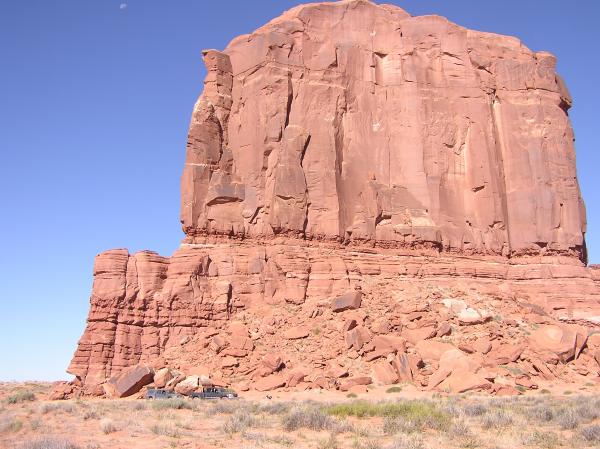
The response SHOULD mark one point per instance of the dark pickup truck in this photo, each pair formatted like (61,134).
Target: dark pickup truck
(214,393)
(157,393)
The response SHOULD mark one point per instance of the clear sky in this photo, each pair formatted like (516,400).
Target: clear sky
(95,100)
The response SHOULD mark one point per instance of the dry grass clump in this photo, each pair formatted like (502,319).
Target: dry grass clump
(224,408)
(330,443)
(47,443)
(107,426)
(591,434)
(10,424)
(542,439)
(51,407)
(173,403)
(262,439)
(407,442)
(401,416)
(239,421)
(90,414)
(169,431)
(20,396)
(308,417)
(476,409)
(275,408)
(496,419)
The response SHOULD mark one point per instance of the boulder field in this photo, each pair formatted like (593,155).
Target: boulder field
(368,198)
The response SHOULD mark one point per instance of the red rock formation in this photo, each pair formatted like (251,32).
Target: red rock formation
(354,122)
(363,191)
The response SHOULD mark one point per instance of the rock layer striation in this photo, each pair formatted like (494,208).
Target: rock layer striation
(367,197)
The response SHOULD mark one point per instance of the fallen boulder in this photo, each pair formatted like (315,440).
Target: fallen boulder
(350,300)
(270,382)
(129,381)
(385,373)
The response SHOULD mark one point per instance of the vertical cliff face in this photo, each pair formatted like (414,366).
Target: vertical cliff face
(350,149)
(355,122)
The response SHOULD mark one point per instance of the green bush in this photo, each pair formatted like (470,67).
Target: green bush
(417,414)
(20,396)
(394,390)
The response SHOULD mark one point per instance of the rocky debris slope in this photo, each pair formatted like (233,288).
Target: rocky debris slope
(322,316)
(368,197)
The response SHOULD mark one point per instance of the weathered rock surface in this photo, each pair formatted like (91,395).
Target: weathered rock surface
(364,192)
(354,122)
(128,381)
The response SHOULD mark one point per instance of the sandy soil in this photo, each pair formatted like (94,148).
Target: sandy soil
(542,419)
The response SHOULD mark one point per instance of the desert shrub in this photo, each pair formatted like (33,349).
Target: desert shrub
(393,425)
(459,429)
(569,419)
(476,409)
(309,417)
(588,409)
(496,419)
(50,407)
(223,407)
(275,408)
(591,433)
(419,413)
(47,443)
(35,424)
(20,396)
(371,443)
(90,414)
(330,443)
(10,424)
(138,405)
(169,431)
(542,440)
(172,403)
(543,413)
(414,441)
(281,440)
(239,422)
(351,395)
(394,390)
(107,426)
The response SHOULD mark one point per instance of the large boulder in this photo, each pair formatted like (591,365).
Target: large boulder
(432,350)
(162,377)
(421,333)
(296,333)
(188,385)
(129,381)
(385,373)
(356,338)
(270,382)
(563,340)
(350,300)
(350,382)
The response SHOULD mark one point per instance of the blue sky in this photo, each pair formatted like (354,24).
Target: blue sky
(95,99)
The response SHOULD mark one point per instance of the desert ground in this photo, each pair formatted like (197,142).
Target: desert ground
(392,418)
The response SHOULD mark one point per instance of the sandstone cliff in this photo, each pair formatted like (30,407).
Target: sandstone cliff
(356,122)
(350,149)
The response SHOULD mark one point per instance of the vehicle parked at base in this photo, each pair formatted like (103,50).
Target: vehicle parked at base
(214,393)
(159,393)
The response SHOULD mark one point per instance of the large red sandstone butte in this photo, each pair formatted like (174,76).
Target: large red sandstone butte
(349,147)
